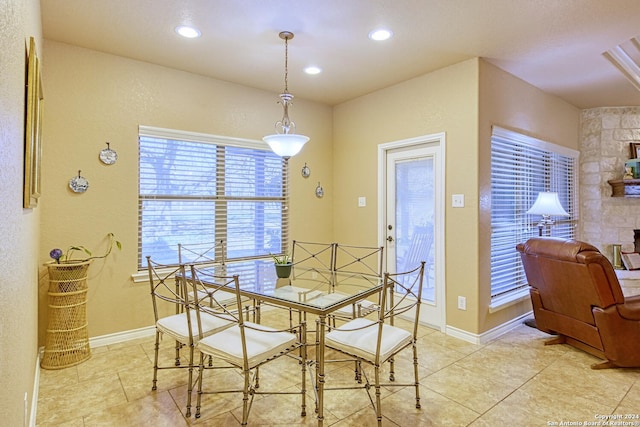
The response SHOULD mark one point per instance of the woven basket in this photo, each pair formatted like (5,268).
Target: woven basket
(67,342)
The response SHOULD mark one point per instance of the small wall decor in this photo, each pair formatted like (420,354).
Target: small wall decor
(319,191)
(78,184)
(108,156)
(306,172)
(33,129)
(635,150)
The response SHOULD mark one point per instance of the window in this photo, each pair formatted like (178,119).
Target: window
(197,188)
(521,167)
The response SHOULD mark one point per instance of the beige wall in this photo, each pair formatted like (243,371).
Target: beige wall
(442,101)
(19,227)
(511,103)
(93,97)
(463,101)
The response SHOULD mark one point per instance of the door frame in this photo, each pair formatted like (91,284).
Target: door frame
(435,140)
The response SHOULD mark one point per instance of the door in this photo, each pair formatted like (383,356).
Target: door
(414,220)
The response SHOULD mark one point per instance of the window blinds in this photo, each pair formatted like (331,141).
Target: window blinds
(521,167)
(194,189)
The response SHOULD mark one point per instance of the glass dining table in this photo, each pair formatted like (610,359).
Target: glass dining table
(312,291)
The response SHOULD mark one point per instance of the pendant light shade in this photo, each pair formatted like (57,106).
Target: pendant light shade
(285,142)
(286,145)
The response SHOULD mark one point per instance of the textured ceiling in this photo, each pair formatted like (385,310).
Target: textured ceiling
(556,45)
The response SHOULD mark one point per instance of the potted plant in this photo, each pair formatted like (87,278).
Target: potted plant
(67,341)
(283,265)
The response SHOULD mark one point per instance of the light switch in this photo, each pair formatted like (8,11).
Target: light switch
(362,202)
(457,200)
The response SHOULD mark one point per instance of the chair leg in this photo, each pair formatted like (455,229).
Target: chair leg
(190,383)
(200,371)
(378,398)
(245,398)
(155,362)
(178,345)
(303,360)
(415,374)
(392,372)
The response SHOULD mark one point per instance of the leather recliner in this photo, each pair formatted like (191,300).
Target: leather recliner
(575,294)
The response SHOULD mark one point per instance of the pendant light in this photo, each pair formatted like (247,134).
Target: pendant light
(285,142)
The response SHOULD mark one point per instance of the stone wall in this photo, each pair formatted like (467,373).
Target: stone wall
(604,147)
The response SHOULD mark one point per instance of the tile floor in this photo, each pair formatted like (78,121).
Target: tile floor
(514,380)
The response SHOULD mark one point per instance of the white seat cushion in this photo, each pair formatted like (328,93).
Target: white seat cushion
(261,345)
(362,342)
(177,327)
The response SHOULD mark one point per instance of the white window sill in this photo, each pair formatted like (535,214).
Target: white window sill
(509,299)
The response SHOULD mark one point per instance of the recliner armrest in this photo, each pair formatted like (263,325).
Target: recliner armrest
(631,308)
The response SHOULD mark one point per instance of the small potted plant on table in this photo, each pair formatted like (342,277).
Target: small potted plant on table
(283,265)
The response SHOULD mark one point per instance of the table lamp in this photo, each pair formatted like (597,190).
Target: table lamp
(547,204)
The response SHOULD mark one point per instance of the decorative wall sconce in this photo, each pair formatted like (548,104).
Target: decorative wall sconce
(319,191)
(108,156)
(78,184)
(306,172)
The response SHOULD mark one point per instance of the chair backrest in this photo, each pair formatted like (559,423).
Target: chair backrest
(402,296)
(167,289)
(202,252)
(312,254)
(571,276)
(210,293)
(358,259)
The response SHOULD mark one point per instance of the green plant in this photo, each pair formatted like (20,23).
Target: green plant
(58,255)
(281,259)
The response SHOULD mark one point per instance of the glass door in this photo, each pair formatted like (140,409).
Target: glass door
(413,222)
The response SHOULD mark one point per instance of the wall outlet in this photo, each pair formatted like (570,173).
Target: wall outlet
(462,303)
(457,200)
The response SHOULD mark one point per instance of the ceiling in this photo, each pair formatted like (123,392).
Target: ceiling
(555,45)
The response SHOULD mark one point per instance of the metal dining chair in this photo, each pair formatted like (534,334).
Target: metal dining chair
(375,342)
(357,260)
(245,345)
(174,317)
(202,252)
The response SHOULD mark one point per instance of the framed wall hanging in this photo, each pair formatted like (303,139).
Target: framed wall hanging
(33,128)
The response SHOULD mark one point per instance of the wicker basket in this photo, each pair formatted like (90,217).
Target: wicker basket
(67,342)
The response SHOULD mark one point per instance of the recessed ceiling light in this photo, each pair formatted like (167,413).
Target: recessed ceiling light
(188,32)
(381,34)
(313,70)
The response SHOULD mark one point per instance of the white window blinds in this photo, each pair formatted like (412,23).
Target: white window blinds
(521,167)
(196,188)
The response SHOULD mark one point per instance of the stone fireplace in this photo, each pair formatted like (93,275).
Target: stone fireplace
(606,134)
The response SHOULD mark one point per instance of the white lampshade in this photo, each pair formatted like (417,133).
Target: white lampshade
(547,204)
(286,145)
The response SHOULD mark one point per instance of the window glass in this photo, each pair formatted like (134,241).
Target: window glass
(198,191)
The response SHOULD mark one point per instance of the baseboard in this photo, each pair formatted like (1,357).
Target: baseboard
(123,336)
(34,393)
(490,335)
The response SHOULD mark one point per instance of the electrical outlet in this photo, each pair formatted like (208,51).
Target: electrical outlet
(462,303)
(457,200)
